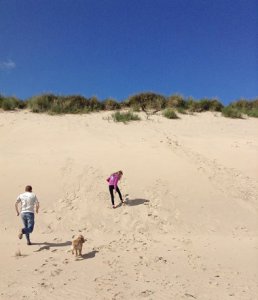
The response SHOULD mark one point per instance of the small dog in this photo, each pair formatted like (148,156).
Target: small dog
(77,245)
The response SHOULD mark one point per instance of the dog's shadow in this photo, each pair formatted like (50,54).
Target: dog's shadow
(47,246)
(88,255)
(134,202)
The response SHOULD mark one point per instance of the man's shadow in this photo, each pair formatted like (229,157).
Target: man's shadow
(134,202)
(47,246)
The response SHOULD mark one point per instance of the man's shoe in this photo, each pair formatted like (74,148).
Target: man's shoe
(29,243)
(20,234)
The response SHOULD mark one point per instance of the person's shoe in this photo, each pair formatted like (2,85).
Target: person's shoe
(29,243)
(114,206)
(20,234)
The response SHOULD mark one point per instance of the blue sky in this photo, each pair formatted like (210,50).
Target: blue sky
(116,48)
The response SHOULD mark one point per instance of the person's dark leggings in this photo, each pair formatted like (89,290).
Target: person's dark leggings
(111,190)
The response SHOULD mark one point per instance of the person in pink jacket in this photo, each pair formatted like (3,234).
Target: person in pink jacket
(112,182)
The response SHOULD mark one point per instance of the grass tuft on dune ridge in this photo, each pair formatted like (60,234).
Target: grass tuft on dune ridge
(125,117)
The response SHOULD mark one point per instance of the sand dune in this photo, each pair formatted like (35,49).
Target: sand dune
(188,231)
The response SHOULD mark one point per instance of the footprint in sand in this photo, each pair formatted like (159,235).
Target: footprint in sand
(56,272)
(48,230)
(160,259)
(46,285)
(146,293)
(66,261)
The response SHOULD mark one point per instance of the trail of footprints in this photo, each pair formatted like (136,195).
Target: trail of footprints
(119,279)
(225,179)
(143,263)
(107,284)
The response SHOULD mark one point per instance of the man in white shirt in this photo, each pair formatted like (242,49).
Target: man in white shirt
(28,201)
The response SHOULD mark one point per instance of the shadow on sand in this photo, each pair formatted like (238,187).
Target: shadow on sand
(133,202)
(89,255)
(47,246)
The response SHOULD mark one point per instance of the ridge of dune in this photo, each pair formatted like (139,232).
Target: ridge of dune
(188,230)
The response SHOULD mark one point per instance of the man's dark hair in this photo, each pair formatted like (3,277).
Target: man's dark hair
(28,188)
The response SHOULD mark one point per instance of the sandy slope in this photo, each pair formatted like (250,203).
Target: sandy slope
(188,231)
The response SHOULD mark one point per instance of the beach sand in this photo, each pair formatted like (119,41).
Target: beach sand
(188,231)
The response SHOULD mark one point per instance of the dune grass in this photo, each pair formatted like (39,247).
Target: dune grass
(252,113)
(181,110)
(241,107)
(148,102)
(169,113)
(231,112)
(11,103)
(125,117)
(74,104)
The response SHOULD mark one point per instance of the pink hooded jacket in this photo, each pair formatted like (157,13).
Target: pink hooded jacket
(113,180)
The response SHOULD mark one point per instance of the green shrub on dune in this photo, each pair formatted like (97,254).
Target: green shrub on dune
(95,104)
(148,102)
(64,104)
(249,108)
(125,117)
(181,110)
(1,100)
(22,104)
(11,103)
(204,105)
(231,112)
(169,113)
(176,101)
(243,104)
(252,113)
(241,107)
(211,105)
(71,104)
(111,104)
(192,105)
(41,103)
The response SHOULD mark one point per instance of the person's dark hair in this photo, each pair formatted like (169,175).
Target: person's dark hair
(28,188)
